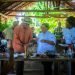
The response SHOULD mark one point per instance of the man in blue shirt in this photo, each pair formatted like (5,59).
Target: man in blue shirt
(67,35)
(46,42)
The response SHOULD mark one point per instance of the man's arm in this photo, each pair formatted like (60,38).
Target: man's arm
(29,40)
(51,40)
(48,41)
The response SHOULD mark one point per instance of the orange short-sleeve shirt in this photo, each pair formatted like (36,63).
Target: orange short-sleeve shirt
(22,37)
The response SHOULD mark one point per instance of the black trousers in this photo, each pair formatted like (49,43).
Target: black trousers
(19,67)
(73,67)
(47,68)
(3,69)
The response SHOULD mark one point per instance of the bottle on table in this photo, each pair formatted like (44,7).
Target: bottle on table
(69,51)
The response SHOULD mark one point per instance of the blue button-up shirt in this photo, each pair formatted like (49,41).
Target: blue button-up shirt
(43,47)
(73,34)
(67,35)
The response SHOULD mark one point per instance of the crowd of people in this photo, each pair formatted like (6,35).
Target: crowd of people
(20,36)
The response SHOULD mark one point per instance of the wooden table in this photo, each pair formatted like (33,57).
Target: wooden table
(54,60)
(3,60)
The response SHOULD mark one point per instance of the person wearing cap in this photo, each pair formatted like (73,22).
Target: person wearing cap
(21,40)
(67,31)
(58,32)
(46,42)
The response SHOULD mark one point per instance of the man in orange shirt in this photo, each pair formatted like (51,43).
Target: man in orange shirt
(22,38)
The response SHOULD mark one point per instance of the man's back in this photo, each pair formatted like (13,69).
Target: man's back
(8,33)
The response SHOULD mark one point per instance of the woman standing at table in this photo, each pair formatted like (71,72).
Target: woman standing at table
(58,33)
(67,31)
(69,36)
(71,21)
(46,42)
(73,33)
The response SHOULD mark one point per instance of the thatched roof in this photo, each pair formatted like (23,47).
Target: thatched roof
(7,7)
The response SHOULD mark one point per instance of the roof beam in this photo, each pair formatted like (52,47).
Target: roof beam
(37,16)
(62,10)
(15,7)
(19,7)
(3,15)
(71,4)
(27,0)
(24,0)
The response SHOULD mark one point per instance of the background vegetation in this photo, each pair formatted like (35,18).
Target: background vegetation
(38,21)
(4,25)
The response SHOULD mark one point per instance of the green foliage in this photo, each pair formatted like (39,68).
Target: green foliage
(52,22)
(5,25)
(38,21)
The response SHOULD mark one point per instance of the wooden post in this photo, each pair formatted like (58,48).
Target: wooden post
(5,21)
(0,19)
(25,53)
